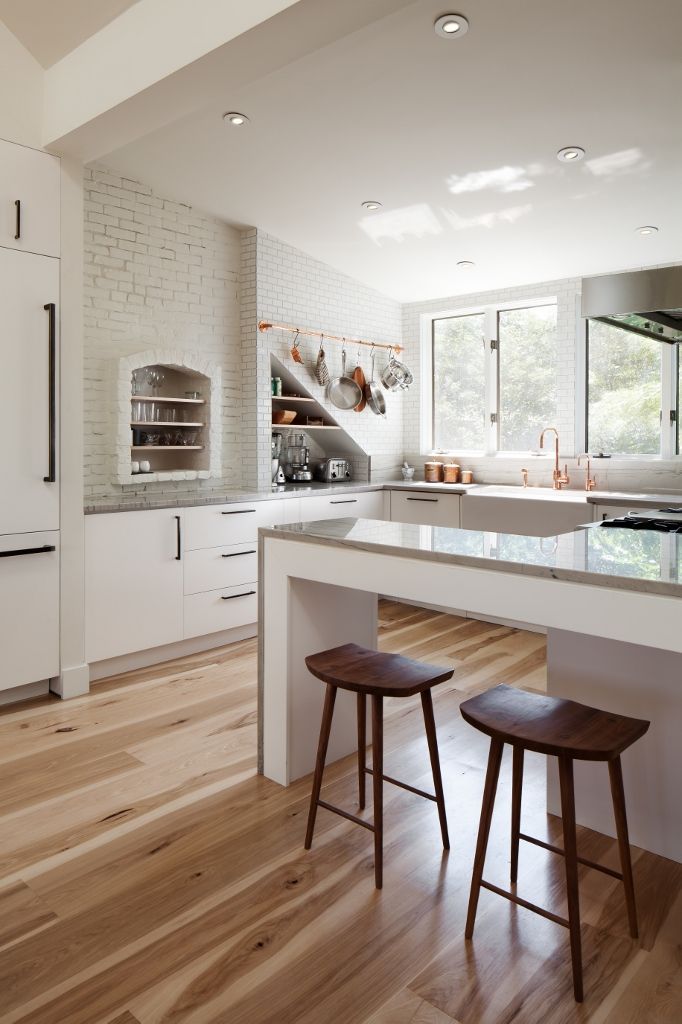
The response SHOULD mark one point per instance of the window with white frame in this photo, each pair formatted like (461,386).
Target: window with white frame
(494,377)
(632,393)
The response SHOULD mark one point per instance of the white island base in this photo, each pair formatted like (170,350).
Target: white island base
(318,594)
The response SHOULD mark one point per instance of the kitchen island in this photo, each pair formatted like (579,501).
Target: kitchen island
(609,599)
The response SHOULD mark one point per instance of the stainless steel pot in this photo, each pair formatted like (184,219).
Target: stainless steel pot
(374,394)
(395,374)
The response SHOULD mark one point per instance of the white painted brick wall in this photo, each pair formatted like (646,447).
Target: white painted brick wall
(158,275)
(293,288)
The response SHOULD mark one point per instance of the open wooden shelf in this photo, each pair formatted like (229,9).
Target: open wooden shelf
(167,447)
(292,398)
(163,398)
(303,427)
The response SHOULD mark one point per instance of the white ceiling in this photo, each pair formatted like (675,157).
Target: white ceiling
(458,139)
(49,29)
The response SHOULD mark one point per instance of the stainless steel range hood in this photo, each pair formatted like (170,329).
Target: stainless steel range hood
(645,302)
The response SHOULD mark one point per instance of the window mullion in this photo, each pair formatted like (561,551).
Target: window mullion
(492,382)
(668,402)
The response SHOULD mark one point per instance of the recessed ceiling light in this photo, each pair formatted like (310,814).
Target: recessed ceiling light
(570,154)
(466,264)
(371,204)
(450,26)
(647,229)
(232,117)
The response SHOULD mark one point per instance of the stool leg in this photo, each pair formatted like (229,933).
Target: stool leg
(571,858)
(491,777)
(378,787)
(517,788)
(325,729)
(432,739)
(618,795)
(362,746)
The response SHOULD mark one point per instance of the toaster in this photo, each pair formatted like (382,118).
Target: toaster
(332,470)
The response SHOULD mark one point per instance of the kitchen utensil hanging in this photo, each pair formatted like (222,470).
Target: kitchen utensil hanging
(395,374)
(295,351)
(343,391)
(359,378)
(374,394)
(321,368)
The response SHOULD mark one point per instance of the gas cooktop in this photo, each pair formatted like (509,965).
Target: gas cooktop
(664,520)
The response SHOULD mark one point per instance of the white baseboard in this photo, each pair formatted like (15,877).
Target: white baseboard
(157,655)
(72,682)
(17,693)
(512,623)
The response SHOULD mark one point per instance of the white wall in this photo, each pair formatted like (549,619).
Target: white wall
(21,92)
(293,288)
(157,275)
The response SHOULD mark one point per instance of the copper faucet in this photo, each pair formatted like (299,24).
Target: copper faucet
(524,474)
(558,478)
(590,481)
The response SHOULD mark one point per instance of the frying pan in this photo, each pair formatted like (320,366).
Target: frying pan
(359,378)
(374,394)
(343,391)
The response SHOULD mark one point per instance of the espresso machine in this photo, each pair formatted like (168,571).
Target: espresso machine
(278,478)
(296,466)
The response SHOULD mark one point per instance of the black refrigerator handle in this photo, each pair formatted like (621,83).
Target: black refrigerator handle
(52,396)
(17,228)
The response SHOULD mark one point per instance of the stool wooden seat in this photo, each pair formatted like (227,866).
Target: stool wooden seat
(377,675)
(569,731)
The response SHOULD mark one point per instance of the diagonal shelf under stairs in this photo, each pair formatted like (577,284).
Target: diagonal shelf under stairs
(329,435)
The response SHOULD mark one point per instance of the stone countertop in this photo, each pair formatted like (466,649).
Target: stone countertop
(643,561)
(141,504)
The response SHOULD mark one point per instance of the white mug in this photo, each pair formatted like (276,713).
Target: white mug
(145,467)
(134,467)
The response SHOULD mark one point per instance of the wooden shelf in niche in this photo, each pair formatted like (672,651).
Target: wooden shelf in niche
(167,447)
(292,398)
(163,423)
(167,398)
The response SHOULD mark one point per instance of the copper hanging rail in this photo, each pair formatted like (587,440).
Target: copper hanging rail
(265,325)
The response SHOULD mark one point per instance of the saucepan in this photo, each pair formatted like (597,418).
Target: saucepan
(395,374)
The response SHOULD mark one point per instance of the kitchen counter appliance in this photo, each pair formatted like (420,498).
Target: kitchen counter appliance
(663,520)
(333,470)
(297,458)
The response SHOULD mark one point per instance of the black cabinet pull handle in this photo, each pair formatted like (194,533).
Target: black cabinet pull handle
(236,554)
(231,597)
(178,537)
(28,551)
(17,229)
(422,499)
(345,501)
(238,512)
(49,308)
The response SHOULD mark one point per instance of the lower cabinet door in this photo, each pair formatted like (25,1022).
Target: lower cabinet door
(29,599)
(133,581)
(358,505)
(426,508)
(213,568)
(217,610)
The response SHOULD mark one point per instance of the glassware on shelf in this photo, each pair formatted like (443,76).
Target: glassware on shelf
(137,382)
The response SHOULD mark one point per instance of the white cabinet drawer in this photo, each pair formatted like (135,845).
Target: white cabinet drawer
(212,526)
(360,505)
(425,507)
(217,610)
(213,568)
(31,179)
(29,599)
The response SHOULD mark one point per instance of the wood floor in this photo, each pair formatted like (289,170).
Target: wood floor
(149,876)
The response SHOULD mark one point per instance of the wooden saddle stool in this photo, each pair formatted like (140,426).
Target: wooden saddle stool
(377,675)
(569,731)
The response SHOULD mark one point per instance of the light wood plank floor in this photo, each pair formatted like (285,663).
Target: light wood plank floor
(149,876)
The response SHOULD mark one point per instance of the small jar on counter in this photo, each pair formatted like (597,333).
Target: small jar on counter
(451,473)
(467,476)
(433,472)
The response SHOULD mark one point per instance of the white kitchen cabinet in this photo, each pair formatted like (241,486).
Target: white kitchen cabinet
(217,610)
(29,598)
(133,581)
(425,508)
(211,526)
(612,511)
(215,568)
(530,517)
(30,179)
(358,505)
(29,355)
